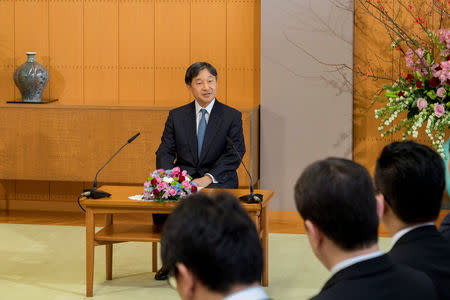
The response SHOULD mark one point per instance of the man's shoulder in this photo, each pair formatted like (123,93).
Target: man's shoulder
(227,110)
(183,108)
(362,281)
(421,243)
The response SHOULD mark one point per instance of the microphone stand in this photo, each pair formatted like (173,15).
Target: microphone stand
(97,194)
(252,197)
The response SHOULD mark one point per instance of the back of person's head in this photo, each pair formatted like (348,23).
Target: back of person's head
(337,195)
(411,178)
(214,237)
(195,69)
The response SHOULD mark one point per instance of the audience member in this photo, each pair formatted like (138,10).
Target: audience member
(445,224)
(337,201)
(212,250)
(410,179)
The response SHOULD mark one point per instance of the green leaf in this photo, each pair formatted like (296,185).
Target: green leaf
(428,59)
(431,94)
(419,75)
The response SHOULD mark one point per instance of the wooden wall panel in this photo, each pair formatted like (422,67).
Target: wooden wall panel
(136,53)
(101,52)
(172,51)
(31,33)
(6,49)
(240,53)
(66,50)
(133,52)
(209,38)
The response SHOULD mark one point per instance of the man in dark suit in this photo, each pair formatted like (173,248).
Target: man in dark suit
(195,137)
(336,200)
(410,179)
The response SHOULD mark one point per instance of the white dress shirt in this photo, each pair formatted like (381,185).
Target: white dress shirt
(198,117)
(351,261)
(251,293)
(402,232)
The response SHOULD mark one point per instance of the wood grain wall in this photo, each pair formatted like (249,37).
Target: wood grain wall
(371,43)
(132,52)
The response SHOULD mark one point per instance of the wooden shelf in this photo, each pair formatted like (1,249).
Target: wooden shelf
(129,233)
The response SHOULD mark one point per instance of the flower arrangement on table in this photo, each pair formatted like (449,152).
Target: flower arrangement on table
(168,185)
(420,93)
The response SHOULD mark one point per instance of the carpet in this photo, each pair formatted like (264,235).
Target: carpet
(48,262)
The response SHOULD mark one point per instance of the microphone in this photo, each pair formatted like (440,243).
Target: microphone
(252,197)
(96,194)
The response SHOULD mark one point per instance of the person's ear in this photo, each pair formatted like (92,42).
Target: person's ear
(315,235)
(189,87)
(381,205)
(185,282)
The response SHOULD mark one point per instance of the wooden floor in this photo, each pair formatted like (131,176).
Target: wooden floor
(279,221)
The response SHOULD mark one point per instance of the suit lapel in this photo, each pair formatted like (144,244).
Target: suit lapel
(214,122)
(191,131)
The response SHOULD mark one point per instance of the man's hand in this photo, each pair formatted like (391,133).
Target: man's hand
(203,181)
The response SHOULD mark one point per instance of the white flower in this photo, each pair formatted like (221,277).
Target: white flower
(168,179)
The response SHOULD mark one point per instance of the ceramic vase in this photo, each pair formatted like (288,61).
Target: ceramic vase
(31,78)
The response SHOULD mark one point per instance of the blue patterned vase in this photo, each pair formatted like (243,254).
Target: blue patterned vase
(31,78)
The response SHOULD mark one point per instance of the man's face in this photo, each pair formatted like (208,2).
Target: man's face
(203,87)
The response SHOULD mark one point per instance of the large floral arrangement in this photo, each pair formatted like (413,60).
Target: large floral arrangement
(419,93)
(424,92)
(168,185)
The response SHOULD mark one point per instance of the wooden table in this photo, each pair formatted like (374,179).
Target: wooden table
(117,233)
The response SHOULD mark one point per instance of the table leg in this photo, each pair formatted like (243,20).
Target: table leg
(265,244)
(90,232)
(109,250)
(154,256)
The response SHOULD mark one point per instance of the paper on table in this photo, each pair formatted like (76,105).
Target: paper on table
(140,197)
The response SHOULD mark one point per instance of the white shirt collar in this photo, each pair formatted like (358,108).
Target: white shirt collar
(351,261)
(402,232)
(251,293)
(208,107)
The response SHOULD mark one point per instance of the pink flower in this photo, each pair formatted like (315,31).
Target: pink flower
(176,170)
(163,185)
(172,192)
(184,173)
(443,71)
(441,92)
(421,103)
(409,58)
(186,184)
(158,179)
(439,110)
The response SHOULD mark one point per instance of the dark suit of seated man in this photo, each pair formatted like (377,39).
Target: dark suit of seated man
(410,178)
(195,137)
(337,202)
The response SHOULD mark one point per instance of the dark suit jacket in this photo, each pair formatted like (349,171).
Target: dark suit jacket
(445,227)
(179,143)
(377,279)
(425,249)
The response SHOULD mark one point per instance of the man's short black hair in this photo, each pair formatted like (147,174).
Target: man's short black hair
(195,68)
(337,195)
(411,178)
(214,237)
